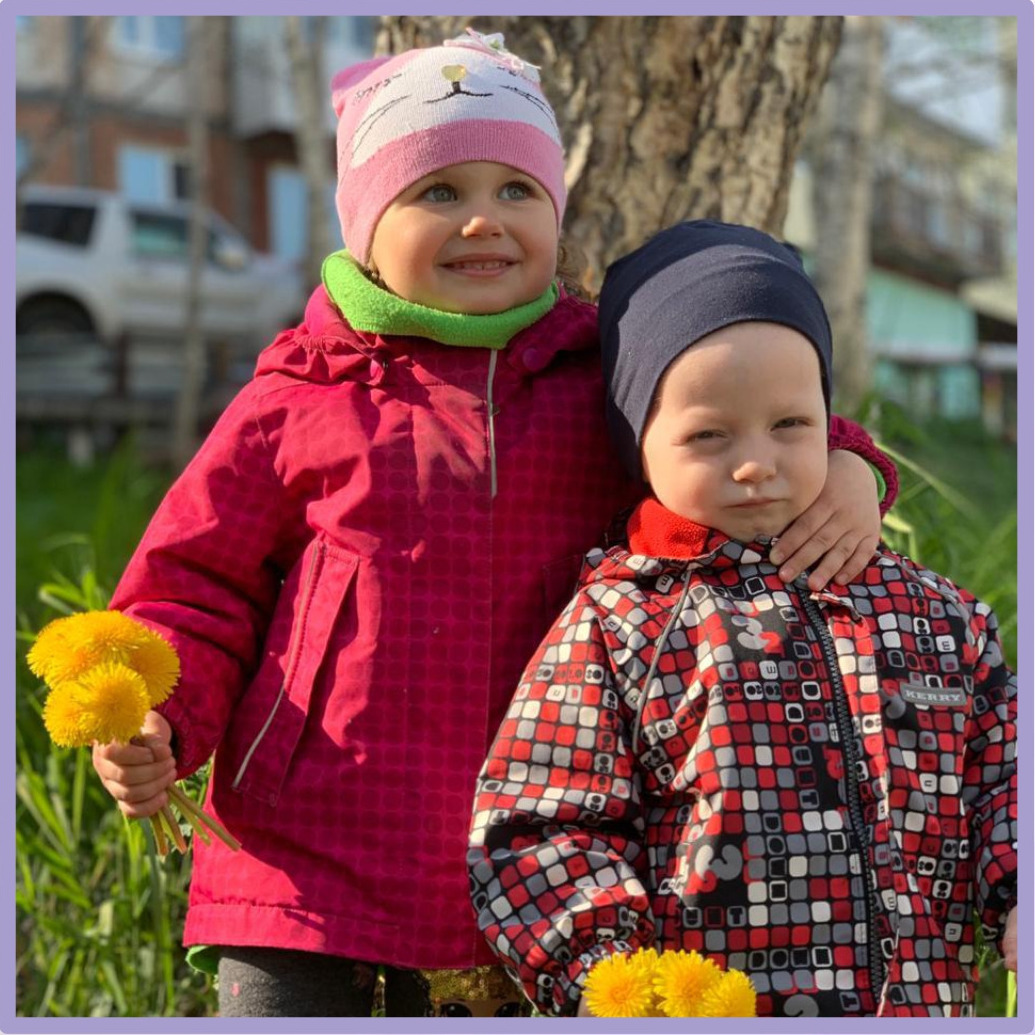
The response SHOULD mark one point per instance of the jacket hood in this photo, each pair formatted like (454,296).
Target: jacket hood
(325,349)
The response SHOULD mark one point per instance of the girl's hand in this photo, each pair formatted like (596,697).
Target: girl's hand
(137,776)
(840,530)
(1010,941)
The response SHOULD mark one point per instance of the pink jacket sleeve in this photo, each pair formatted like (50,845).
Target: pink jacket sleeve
(205,577)
(846,434)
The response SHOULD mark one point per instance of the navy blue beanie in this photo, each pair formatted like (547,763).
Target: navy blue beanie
(684,283)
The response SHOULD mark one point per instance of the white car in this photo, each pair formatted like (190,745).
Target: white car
(94,263)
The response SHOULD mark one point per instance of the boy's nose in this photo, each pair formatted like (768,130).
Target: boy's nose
(481,224)
(754,470)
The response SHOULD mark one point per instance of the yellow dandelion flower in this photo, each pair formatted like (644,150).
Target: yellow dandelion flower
(113,700)
(61,714)
(617,987)
(109,634)
(680,981)
(48,650)
(645,959)
(156,661)
(68,647)
(732,996)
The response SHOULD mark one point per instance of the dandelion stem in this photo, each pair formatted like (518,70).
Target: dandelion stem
(197,826)
(213,824)
(161,847)
(174,829)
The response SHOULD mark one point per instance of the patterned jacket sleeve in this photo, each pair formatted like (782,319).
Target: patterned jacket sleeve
(846,434)
(556,856)
(202,576)
(990,777)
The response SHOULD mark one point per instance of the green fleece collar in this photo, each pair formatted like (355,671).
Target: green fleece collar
(370,308)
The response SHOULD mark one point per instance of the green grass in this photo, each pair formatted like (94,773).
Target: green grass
(99,924)
(98,916)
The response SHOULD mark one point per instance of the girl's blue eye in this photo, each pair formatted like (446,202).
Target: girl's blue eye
(515,192)
(439,192)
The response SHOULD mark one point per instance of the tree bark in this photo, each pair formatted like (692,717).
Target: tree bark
(664,118)
(842,154)
(311,139)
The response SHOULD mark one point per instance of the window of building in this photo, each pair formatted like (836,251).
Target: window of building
(352,31)
(289,213)
(23,153)
(161,36)
(970,233)
(151,174)
(938,230)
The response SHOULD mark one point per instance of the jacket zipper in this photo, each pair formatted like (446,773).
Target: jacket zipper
(843,717)
(292,646)
(492,423)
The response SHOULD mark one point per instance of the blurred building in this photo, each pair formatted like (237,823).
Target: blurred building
(102,102)
(941,296)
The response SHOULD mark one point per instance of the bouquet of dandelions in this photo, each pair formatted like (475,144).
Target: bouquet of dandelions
(667,984)
(105,671)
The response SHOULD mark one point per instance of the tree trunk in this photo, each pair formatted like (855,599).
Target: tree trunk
(842,196)
(188,402)
(664,119)
(311,139)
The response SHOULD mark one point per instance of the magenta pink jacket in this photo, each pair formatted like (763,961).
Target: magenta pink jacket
(355,568)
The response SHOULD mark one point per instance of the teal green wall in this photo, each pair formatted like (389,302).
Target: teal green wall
(908,319)
(906,313)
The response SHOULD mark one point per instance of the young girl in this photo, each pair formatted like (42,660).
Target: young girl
(376,534)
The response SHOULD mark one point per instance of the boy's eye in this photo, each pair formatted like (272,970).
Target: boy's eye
(439,192)
(515,191)
(791,422)
(707,435)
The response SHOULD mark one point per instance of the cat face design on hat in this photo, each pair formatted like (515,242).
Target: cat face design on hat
(437,92)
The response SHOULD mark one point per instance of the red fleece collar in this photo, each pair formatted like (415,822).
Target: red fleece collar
(656,531)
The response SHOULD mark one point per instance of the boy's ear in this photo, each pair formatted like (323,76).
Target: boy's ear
(344,80)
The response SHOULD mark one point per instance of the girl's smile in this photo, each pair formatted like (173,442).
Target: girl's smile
(479,266)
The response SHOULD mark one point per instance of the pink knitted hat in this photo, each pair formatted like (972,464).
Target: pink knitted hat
(402,117)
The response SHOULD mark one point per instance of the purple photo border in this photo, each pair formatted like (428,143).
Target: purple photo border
(1022,10)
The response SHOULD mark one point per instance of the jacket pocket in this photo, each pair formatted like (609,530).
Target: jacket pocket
(315,597)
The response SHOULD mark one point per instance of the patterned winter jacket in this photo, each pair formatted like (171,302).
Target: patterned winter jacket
(355,568)
(817,789)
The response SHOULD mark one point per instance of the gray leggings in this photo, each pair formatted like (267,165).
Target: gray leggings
(261,982)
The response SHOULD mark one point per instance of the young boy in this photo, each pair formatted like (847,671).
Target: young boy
(818,789)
